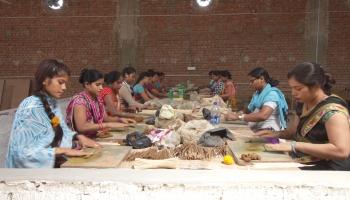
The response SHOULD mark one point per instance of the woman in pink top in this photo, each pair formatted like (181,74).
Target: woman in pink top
(86,112)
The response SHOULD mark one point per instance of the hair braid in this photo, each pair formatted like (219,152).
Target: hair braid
(57,129)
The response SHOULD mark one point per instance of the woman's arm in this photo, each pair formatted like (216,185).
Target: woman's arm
(82,125)
(145,96)
(110,105)
(338,148)
(157,93)
(288,133)
(126,95)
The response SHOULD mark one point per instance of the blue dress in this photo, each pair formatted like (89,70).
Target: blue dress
(32,134)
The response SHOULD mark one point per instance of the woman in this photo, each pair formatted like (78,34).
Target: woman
(39,135)
(126,92)
(229,93)
(151,86)
(141,93)
(159,85)
(321,128)
(110,97)
(86,112)
(268,107)
(218,86)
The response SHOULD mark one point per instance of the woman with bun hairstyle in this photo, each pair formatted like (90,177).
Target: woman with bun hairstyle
(268,107)
(39,135)
(321,129)
(86,112)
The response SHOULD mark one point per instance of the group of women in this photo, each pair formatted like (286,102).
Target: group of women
(42,137)
(221,84)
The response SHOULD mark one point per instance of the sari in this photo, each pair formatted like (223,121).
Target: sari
(311,129)
(95,111)
(231,90)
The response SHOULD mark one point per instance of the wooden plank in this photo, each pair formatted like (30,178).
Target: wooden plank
(2,82)
(240,147)
(14,91)
(110,157)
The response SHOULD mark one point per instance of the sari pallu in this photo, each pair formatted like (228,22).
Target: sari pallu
(94,111)
(311,129)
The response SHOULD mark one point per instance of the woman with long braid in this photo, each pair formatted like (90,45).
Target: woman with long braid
(39,135)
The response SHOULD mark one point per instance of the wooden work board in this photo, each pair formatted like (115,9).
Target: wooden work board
(240,147)
(110,156)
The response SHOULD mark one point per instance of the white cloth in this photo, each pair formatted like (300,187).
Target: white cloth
(270,123)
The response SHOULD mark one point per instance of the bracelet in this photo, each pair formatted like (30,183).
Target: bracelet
(292,145)
(241,117)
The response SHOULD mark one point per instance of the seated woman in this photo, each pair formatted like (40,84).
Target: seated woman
(86,112)
(39,135)
(152,85)
(321,126)
(217,86)
(109,95)
(159,85)
(229,94)
(141,93)
(126,92)
(268,107)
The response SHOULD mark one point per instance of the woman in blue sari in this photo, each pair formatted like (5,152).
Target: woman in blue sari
(40,138)
(268,107)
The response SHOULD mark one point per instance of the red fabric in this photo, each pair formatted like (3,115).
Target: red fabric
(107,91)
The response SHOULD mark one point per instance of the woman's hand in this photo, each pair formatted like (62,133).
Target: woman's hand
(71,152)
(231,116)
(116,125)
(266,134)
(285,147)
(127,121)
(87,142)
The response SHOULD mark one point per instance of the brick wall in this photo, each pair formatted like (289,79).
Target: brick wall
(171,36)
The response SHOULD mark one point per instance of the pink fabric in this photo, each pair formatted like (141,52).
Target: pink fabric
(230,88)
(94,110)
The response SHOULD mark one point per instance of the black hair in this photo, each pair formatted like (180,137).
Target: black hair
(89,76)
(311,74)
(142,76)
(216,73)
(152,73)
(128,70)
(160,73)
(210,72)
(112,77)
(261,72)
(48,69)
(226,73)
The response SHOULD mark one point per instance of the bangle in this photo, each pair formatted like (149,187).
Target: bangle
(292,145)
